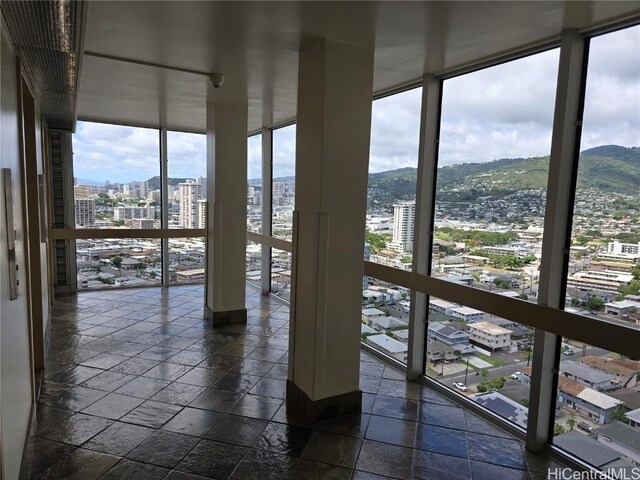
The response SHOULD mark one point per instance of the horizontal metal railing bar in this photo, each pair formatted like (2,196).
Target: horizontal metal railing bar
(599,333)
(272,242)
(108,233)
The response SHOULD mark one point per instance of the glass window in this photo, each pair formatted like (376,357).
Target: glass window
(597,388)
(187,260)
(391,193)
(283,188)
(491,182)
(281,273)
(254,184)
(115,168)
(186,180)
(124,262)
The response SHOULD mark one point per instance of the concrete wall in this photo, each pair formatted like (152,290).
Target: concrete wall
(15,366)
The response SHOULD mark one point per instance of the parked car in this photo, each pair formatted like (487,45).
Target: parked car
(516,375)
(460,386)
(569,351)
(585,426)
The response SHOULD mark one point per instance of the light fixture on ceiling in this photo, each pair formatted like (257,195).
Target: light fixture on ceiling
(217,79)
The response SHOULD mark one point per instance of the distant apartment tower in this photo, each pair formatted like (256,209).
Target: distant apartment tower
(130,213)
(202,213)
(142,222)
(403,221)
(189,194)
(81,191)
(140,189)
(85,209)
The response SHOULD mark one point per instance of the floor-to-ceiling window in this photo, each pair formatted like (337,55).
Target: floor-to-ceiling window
(598,398)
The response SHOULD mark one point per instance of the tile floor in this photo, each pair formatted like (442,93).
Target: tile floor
(137,386)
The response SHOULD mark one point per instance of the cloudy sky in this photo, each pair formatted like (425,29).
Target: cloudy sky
(502,111)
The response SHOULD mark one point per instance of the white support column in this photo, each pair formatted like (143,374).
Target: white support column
(267,208)
(333,131)
(227,203)
(164,204)
(423,232)
(563,165)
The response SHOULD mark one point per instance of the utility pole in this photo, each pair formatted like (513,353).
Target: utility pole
(466,372)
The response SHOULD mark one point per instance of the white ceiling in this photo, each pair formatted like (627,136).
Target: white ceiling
(260,41)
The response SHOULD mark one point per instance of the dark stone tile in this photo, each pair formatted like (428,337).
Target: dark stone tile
(279,371)
(135,366)
(369,384)
(187,358)
(201,377)
(167,371)
(486,471)
(496,450)
(212,459)
(119,439)
(290,416)
(76,375)
(76,429)
(385,459)
(442,415)
(128,470)
(333,449)
(152,414)
(442,440)
(238,430)
(284,439)
(218,400)
(430,465)
(105,361)
(306,470)
(354,425)
(176,475)
(165,449)
(48,417)
(399,388)
(253,367)
(142,387)
(108,381)
(99,331)
(257,407)
(428,394)
(371,369)
(475,424)
(270,387)
(128,348)
(368,401)
(234,350)
(158,353)
(236,382)
(193,421)
(266,354)
(221,363)
(391,430)
(178,394)
(113,406)
(396,408)
(358,475)
(75,398)
(259,465)
(41,454)
(80,464)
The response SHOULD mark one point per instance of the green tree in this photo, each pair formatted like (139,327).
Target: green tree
(116,261)
(558,429)
(636,272)
(571,422)
(376,241)
(595,303)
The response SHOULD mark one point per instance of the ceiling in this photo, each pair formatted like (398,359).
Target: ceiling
(141,59)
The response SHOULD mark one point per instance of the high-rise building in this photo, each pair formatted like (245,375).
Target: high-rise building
(85,212)
(129,213)
(202,213)
(189,194)
(403,221)
(81,191)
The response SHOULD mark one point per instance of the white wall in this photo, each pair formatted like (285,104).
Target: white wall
(15,368)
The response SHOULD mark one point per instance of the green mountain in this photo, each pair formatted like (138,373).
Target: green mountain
(609,168)
(154,182)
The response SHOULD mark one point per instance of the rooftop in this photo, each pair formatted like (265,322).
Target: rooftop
(621,433)
(584,372)
(489,328)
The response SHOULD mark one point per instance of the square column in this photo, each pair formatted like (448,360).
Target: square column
(227,205)
(335,85)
